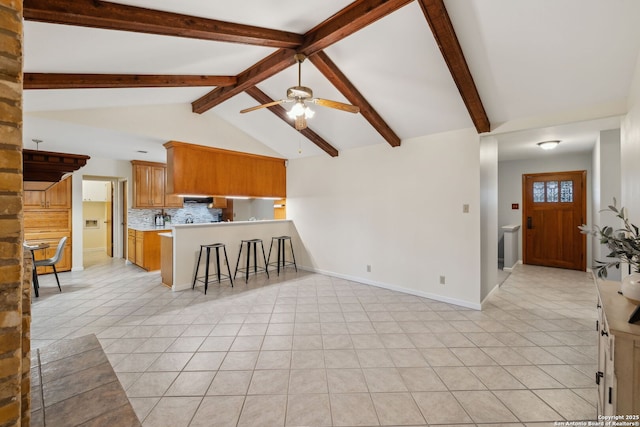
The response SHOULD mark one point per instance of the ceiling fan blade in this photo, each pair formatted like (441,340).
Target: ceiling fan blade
(268,104)
(337,105)
(301,122)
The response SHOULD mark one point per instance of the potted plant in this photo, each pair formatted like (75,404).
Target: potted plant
(624,244)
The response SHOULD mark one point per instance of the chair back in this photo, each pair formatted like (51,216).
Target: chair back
(58,254)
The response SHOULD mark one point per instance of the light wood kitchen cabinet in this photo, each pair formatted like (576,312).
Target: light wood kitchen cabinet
(280,209)
(618,375)
(220,202)
(143,248)
(196,169)
(149,186)
(58,196)
(52,238)
(47,218)
(131,245)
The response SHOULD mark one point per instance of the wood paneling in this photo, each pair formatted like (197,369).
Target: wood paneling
(48,220)
(195,169)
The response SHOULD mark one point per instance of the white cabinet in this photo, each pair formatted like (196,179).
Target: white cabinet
(96,191)
(618,371)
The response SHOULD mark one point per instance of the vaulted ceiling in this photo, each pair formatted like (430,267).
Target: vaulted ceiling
(414,67)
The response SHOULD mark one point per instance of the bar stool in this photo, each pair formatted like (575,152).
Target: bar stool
(251,243)
(281,259)
(205,278)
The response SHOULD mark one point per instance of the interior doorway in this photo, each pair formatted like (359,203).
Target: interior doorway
(104,205)
(554,206)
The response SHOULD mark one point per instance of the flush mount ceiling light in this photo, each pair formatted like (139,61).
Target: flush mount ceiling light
(548,145)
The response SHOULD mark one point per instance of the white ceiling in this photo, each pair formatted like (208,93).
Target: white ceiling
(558,69)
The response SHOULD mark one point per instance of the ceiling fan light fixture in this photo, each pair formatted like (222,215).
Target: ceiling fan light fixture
(308,112)
(297,109)
(549,145)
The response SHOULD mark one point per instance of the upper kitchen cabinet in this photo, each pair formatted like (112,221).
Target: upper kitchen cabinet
(196,169)
(149,186)
(96,191)
(58,196)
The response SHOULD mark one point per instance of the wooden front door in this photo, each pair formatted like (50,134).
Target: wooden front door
(554,206)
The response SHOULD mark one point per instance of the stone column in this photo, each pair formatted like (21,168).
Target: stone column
(14,330)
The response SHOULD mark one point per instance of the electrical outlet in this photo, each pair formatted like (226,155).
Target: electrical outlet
(368,268)
(465,208)
(442,280)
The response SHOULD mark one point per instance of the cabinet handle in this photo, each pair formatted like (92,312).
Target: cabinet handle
(599,375)
(598,306)
(597,325)
(603,333)
(610,395)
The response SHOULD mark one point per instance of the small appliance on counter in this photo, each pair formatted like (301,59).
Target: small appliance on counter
(159,220)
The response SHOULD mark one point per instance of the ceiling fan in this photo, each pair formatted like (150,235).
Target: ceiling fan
(301,95)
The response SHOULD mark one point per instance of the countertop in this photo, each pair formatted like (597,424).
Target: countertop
(150,227)
(227,223)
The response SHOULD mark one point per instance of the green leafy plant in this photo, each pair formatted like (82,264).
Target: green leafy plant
(624,243)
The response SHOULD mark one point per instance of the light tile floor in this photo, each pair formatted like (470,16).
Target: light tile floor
(311,350)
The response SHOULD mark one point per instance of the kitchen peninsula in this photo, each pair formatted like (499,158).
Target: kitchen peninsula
(185,240)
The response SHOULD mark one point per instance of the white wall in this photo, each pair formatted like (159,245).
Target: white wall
(97,167)
(606,187)
(94,239)
(489,214)
(510,187)
(399,210)
(630,152)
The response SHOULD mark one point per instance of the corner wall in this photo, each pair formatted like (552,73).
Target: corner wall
(606,187)
(630,152)
(15,290)
(399,210)
(489,214)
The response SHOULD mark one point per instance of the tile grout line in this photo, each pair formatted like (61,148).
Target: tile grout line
(41,388)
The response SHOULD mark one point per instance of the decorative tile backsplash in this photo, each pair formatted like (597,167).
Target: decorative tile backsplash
(198,212)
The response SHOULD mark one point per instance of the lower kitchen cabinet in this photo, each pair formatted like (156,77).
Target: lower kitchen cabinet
(52,238)
(143,248)
(618,374)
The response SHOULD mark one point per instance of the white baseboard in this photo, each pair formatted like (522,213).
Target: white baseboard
(510,269)
(390,287)
(495,289)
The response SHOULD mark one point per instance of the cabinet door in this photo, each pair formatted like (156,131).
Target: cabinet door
(59,195)
(142,186)
(157,186)
(131,246)
(140,248)
(34,199)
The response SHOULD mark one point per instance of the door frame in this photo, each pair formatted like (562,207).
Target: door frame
(583,209)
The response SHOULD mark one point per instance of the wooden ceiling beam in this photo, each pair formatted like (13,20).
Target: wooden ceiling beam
(114,16)
(349,20)
(329,69)
(352,18)
(281,112)
(102,81)
(271,65)
(445,35)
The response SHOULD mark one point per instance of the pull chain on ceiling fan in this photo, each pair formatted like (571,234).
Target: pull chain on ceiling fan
(300,95)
